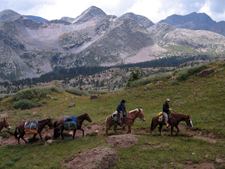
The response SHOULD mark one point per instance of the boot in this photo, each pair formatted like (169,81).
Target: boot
(167,125)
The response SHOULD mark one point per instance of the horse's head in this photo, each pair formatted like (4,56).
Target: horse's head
(6,124)
(86,117)
(189,121)
(50,124)
(141,114)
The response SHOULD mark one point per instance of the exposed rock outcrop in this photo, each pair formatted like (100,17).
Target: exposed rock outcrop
(100,157)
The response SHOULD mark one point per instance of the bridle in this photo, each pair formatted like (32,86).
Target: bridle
(139,111)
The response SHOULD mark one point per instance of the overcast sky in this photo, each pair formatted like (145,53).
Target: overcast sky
(155,10)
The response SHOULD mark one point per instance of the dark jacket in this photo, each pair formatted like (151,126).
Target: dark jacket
(121,107)
(166,107)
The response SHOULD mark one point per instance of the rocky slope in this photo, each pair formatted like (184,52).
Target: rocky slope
(29,48)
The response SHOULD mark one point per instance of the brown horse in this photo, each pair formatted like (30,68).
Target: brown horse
(5,124)
(129,120)
(174,120)
(21,129)
(59,126)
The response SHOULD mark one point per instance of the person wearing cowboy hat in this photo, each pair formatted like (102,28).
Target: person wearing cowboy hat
(166,111)
(122,112)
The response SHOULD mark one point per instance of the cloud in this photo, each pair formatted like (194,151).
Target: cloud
(155,10)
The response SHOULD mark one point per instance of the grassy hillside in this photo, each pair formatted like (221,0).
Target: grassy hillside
(202,98)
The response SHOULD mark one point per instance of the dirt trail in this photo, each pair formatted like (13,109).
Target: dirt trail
(99,130)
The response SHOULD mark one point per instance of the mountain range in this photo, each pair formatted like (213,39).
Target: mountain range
(31,46)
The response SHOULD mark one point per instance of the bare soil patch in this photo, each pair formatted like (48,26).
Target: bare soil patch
(96,158)
(122,141)
(3,115)
(200,166)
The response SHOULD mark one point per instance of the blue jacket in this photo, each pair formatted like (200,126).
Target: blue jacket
(121,107)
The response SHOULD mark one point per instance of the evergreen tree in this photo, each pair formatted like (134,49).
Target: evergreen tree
(133,77)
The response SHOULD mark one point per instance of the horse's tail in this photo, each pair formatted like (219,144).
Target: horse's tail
(152,125)
(15,133)
(107,122)
(56,131)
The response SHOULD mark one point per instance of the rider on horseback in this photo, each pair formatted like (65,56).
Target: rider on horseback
(165,112)
(122,112)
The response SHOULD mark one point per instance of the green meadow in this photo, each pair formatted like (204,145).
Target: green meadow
(200,97)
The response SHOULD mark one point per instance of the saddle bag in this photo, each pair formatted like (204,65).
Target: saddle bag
(70,125)
(31,131)
(115,117)
(31,127)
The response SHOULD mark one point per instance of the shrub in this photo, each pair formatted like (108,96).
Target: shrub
(97,91)
(1,98)
(2,109)
(149,80)
(4,135)
(42,102)
(174,82)
(23,104)
(35,93)
(10,163)
(78,92)
(185,73)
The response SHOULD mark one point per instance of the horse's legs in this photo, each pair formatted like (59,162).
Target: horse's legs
(83,132)
(160,129)
(177,129)
(107,128)
(61,133)
(115,129)
(154,124)
(129,128)
(33,138)
(40,136)
(18,139)
(22,136)
(74,132)
(172,130)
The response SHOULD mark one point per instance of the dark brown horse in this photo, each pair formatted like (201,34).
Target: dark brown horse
(129,120)
(59,126)
(5,124)
(21,129)
(174,120)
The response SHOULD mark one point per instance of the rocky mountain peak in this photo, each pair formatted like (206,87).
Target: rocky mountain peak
(92,13)
(67,19)
(194,21)
(7,15)
(141,19)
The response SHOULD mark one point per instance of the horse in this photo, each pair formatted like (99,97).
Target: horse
(129,120)
(21,129)
(59,126)
(174,120)
(5,124)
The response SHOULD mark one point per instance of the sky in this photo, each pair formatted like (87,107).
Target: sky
(155,10)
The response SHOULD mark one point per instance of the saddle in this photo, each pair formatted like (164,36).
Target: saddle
(161,117)
(114,117)
(31,127)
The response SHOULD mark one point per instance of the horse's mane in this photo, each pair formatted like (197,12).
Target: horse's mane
(134,110)
(42,121)
(179,115)
(80,115)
